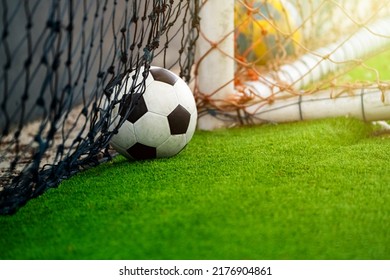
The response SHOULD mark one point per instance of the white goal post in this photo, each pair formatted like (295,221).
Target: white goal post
(216,67)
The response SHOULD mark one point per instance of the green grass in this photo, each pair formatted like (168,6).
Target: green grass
(308,190)
(379,62)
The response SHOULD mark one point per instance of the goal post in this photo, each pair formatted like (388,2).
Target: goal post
(215,57)
(281,56)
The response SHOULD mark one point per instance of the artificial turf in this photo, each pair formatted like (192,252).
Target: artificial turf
(308,190)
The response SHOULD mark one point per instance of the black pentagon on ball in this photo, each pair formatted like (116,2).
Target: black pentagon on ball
(137,106)
(140,151)
(179,120)
(163,75)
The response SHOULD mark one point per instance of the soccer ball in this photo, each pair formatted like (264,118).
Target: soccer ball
(266,30)
(160,122)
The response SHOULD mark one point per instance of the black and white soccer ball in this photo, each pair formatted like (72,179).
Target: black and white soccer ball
(163,118)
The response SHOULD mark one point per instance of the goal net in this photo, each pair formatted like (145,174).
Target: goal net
(286,60)
(62,66)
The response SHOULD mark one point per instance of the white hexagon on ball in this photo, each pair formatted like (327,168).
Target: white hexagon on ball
(172,145)
(159,93)
(185,97)
(151,129)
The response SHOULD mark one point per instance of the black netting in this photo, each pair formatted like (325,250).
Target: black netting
(60,64)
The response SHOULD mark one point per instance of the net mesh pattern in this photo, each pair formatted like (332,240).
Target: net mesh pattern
(291,48)
(62,66)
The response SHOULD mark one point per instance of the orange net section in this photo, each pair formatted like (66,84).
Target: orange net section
(291,48)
